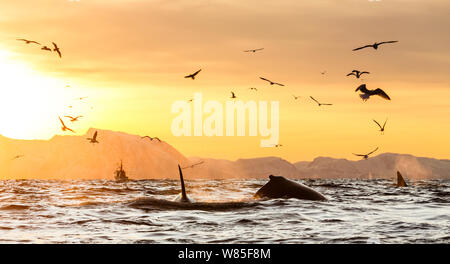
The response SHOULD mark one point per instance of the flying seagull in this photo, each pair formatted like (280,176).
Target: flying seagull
(357,73)
(192,166)
(296,97)
(64,128)
(233,96)
(375,45)
(366,93)
(147,137)
(73,119)
(366,156)
(56,49)
(253,88)
(93,140)
(271,83)
(320,104)
(29,41)
(17,157)
(192,75)
(253,50)
(151,139)
(381,127)
(46,48)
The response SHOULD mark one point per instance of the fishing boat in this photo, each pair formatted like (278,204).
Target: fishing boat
(120,175)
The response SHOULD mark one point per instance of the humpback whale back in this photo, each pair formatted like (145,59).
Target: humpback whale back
(400,181)
(183,198)
(280,187)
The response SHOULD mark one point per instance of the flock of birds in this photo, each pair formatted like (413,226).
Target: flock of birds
(55,46)
(365,93)
(72,119)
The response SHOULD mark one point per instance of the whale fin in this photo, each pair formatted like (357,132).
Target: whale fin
(183,190)
(400,181)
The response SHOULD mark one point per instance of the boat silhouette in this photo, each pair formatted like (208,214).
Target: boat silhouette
(120,174)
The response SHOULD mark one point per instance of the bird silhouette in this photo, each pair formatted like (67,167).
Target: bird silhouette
(253,88)
(375,45)
(193,165)
(365,156)
(233,96)
(277,145)
(46,48)
(93,140)
(29,41)
(151,138)
(55,48)
(320,104)
(64,127)
(192,75)
(296,97)
(17,157)
(366,93)
(357,73)
(253,50)
(271,83)
(73,119)
(381,127)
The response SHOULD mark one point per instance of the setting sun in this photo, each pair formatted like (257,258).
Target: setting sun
(31,101)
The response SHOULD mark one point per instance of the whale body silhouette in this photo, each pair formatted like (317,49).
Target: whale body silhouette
(182,202)
(400,181)
(280,187)
(277,187)
(182,198)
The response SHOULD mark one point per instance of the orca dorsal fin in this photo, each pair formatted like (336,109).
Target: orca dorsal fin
(400,181)
(183,190)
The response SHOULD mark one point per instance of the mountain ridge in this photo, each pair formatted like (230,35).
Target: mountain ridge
(73,157)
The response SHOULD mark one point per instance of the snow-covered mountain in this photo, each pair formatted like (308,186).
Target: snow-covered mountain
(73,157)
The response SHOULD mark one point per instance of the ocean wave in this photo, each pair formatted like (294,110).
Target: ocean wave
(15,207)
(101,211)
(158,204)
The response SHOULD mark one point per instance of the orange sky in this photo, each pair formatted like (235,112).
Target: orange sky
(129,57)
